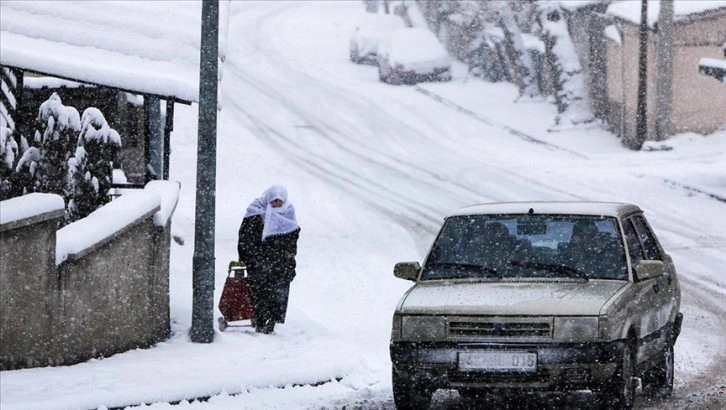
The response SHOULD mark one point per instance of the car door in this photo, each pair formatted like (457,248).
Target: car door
(664,286)
(644,310)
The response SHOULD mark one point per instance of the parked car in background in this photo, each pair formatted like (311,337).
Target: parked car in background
(543,296)
(410,55)
(368,33)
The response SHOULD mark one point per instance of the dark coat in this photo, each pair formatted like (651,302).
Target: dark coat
(266,257)
(270,273)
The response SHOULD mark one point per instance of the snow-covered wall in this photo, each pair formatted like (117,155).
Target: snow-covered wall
(91,289)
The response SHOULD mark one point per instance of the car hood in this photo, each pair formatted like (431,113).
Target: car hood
(510,298)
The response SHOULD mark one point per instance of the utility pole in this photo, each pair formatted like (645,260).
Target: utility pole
(641,116)
(203,261)
(664,96)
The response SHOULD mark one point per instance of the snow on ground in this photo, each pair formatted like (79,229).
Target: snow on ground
(372,169)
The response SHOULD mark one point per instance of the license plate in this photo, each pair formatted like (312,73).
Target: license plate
(498,361)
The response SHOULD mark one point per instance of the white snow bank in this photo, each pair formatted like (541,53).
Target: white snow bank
(102,224)
(119,177)
(612,33)
(149,46)
(169,192)
(533,43)
(712,62)
(26,206)
(630,10)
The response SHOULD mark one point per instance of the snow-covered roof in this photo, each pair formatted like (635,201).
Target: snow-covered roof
(682,9)
(149,47)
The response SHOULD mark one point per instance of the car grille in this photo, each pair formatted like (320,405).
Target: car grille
(498,328)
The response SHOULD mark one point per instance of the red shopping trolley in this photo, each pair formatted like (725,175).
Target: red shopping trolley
(234,304)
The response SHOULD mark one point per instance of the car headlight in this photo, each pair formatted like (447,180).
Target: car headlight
(423,327)
(576,328)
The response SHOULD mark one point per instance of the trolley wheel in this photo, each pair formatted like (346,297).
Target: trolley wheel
(222,324)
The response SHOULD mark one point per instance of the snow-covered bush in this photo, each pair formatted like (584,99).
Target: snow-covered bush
(45,164)
(8,153)
(572,104)
(90,170)
(71,156)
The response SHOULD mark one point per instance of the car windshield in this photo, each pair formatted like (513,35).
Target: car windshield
(527,246)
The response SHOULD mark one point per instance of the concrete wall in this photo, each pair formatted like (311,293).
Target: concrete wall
(109,298)
(28,289)
(698,100)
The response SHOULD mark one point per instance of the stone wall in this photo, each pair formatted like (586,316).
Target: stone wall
(107,298)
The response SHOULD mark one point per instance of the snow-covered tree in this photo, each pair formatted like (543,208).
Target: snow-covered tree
(90,170)
(8,154)
(570,95)
(46,162)
(523,68)
(485,46)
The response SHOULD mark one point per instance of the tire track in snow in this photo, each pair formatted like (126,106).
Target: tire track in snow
(332,129)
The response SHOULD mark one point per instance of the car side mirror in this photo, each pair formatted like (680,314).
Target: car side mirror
(407,270)
(646,269)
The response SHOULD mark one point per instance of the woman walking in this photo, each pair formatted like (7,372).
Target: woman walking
(267,246)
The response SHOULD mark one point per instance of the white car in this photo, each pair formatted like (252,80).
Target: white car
(369,32)
(538,296)
(411,55)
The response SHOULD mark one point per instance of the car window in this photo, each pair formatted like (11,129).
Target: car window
(501,246)
(647,238)
(635,250)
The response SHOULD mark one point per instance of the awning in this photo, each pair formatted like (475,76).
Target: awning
(147,47)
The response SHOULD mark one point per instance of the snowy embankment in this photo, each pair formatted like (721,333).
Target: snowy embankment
(372,169)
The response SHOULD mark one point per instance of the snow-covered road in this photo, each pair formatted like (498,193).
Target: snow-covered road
(408,159)
(372,169)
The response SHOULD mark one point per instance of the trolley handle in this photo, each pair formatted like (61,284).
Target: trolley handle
(237,270)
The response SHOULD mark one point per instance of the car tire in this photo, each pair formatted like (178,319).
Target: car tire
(620,392)
(658,381)
(409,396)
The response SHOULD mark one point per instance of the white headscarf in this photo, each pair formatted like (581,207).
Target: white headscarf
(278,221)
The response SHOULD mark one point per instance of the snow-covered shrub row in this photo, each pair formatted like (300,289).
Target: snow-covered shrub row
(502,41)
(69,155)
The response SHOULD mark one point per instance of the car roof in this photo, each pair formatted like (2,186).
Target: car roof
(615,209)
(381,22)
(408,34)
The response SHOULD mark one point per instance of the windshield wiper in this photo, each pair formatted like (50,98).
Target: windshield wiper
(469,267)
(552,267)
